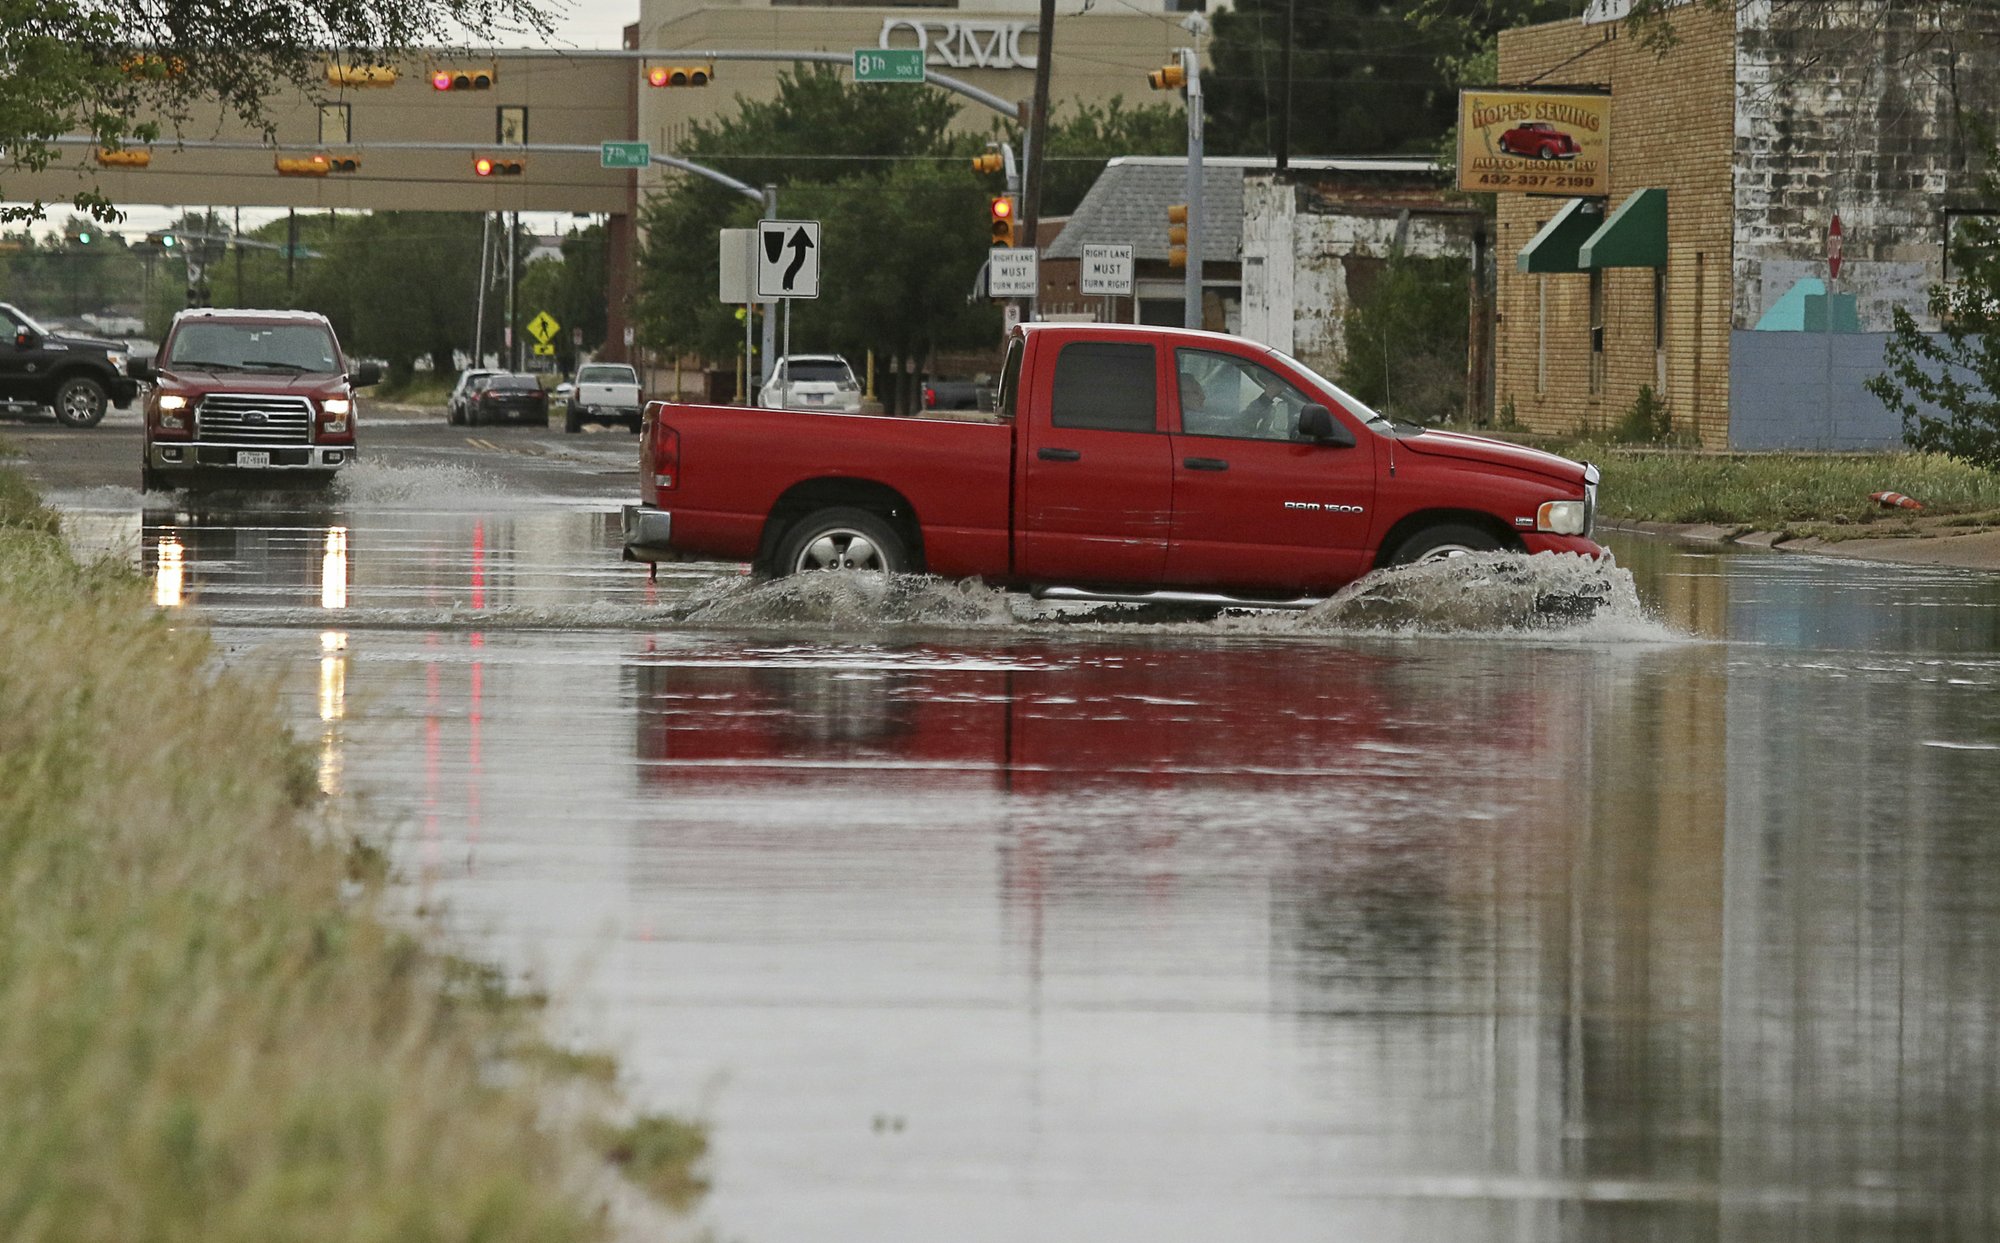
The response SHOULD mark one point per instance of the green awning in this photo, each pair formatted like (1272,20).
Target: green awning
(1554,248)
(1634,236)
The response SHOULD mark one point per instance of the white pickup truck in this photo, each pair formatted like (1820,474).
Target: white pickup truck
(605,393)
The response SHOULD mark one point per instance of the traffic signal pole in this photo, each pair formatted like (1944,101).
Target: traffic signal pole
(1191,316)
(770,316)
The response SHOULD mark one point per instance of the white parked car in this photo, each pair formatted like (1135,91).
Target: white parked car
(604,393)
(456,405)
(812,382)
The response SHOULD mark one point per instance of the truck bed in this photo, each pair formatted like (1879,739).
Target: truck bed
(955,476)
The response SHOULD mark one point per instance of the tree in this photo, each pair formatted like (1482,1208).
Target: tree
(572,289)
(902,213)
(1083,140)
(1405,339)
(1946,386)
(399,286)
(126,71)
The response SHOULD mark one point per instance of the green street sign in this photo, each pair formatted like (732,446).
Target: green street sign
(888,64)
(625,154)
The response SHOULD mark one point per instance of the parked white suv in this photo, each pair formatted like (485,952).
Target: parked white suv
(604,393)
(812,382)
(456,405)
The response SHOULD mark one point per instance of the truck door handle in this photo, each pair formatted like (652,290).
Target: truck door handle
(1059,455)
(1204,463)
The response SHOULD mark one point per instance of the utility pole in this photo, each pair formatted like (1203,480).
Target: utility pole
(513,311)
(765,368)
(1285,72)
(236,234)
(1038,124)
(291,255)
(479,291)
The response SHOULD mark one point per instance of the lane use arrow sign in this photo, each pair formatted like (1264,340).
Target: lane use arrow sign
(788,258)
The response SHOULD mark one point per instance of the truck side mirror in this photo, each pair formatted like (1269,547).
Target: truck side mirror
(1317,424)
(365,375)
(24,339)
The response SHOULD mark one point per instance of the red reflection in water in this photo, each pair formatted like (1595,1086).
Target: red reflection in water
(479,565)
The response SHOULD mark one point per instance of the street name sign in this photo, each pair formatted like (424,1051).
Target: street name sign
(1010,272)
(1106,270)
(787,258)
(625,154)
(888,64)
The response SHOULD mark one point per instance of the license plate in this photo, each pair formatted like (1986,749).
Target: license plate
(814,399)
(246,457)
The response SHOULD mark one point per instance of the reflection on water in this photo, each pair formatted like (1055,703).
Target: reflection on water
(1203,933)
(167,571)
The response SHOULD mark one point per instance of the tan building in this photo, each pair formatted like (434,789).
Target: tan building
(1573,346)
(990,44)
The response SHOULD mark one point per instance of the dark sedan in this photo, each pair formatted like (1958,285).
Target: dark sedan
(508,399)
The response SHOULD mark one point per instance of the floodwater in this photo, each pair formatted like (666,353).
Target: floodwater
(964,919)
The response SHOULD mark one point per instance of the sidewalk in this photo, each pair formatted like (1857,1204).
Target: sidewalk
(1974,551)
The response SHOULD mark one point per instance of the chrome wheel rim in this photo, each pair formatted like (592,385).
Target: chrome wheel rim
(79,404)
(1444,551)
(840,549)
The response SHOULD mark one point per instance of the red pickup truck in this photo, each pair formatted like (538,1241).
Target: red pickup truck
(1126,463)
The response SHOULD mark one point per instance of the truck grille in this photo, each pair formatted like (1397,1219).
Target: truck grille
(236,419)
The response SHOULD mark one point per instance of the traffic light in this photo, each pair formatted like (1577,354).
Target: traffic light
(1002,210)
(680,75)
(361,75)
(124,157)
(493,166)
(343,163)
(464,79)
(1167,77)
(148,65)
(1177,236)
(303,165)
(164,240)
(991,162)
(83,237)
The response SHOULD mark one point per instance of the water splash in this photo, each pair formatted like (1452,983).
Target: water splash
(847,601)
(1492,593)
(429,486)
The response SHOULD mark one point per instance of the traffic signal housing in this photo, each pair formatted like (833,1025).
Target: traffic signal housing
(991,162)
(479,79)
(164,240)
(680,75)
(1001,209)
(124,157)
(1177,235)
(497,166)
(360,75)
(343,163)
(1167,77)
(303,165)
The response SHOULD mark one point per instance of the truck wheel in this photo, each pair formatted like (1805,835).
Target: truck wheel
(842,538)
(80,402)
(149,480)
(1451,539)
(572,424)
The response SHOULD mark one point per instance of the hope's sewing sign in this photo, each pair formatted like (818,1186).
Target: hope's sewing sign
(1535,142)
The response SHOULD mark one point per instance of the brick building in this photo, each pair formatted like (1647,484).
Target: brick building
(1731,152)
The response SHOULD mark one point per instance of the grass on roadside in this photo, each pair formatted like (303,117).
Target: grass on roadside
(1823,494)
(209,1025)
(423,388)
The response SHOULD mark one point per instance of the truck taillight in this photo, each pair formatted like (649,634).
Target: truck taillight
(664,454)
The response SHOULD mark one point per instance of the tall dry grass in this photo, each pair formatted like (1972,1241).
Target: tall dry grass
(208,1029)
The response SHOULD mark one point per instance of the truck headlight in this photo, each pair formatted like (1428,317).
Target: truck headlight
(336,405)
(1563,517)
(116,360)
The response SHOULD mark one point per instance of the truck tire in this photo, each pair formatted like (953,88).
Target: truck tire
(1449,539)
(841,538)
(149,480)
(80,401)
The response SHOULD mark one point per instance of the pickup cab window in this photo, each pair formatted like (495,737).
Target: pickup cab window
(606,373)
(1105,386)
(1224,395)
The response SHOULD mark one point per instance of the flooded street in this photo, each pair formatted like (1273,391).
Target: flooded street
(963,918)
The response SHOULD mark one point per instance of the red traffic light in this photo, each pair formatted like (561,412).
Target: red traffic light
(488,166)
(463,79)
(680,75)
(1001,209)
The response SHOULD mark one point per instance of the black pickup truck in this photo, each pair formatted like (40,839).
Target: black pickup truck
(76,377)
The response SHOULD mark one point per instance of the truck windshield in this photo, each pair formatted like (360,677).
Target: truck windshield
(253,347)
(1352,404)
(21,319)
(607,375)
